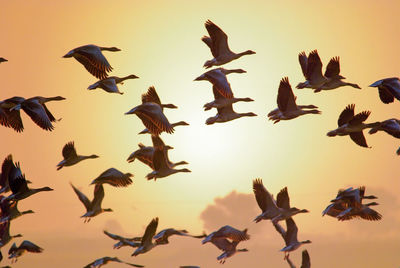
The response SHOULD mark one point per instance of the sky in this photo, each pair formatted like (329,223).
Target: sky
(160,43)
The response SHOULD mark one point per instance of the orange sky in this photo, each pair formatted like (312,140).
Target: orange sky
(160,43)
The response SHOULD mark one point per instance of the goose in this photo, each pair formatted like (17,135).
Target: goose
(104,260)
(10,117)
(71,157)
(3,60)
(147,240)
(9,210)
(225,113)
(162,237)
(287,107)
(114,178)
(217,77)
(36,109)
(352,125)
(123,241)
(92,58)
(162,167)
(271,209)
(220,238)
(152,117)
(26,246)
(218,44)
(390,126)
(19,185)
(109,84)
(93,208)
(360,210)
(305,259)
(291,238)
(312,71)
(5,236)
(388,88)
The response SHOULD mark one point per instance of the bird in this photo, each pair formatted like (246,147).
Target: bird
(217,77)
(26,246)
(114,178)
(360,210)
(287,107)
(312,71)
(19,185)
(147,240)
(36,109)
(93,208)
(291,238)
(221,239)
(123,241)
(388,88)
(162,237)
(9,210)
(152,117)
(109,84)
(273,210)
(161,163)
(226,113)
(3,60)
(352,125)
(390,126)
(5,236)
(10,117)
(71,157)
(92,58)
(218,44)
(104,260)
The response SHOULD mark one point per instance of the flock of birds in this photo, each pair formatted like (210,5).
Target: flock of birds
(347,205)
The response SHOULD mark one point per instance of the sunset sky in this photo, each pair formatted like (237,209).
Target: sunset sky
(160,43)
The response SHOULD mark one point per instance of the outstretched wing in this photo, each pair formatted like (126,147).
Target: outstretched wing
(69,150)
(333,68)
(346,115)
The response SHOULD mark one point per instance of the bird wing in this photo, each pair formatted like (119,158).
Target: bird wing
(98,195)
(219,39)
(222,243)
(359,138)
(31,247)
(11,119)
(305,259)
(346,115)
(333,68)
(17,180)
(370,214)
(303,62)
(110,84)
(93,60)
(150,231)
(291,233)
(232,233)
(393,85)
(153,118)
(282,199)
(114,236)
(219,80)
(385,94)
(7,165)
(37,113)
(159,159)
(286,99)
(359,118)
(48,113)
(83,198)
(392,127)
(151,96)
(113,177)
(314,66)
(69,150)
(264,199)
(207,40)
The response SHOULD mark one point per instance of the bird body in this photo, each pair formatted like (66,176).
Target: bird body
(26,246)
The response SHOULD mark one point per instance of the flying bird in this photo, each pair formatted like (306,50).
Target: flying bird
(287,107)
(273,210)
(9,210)
(26,246)
(93,208)
(353,125)
(312,71)
(9,117)
(218,44)
(71,157)
(92,58)
(114,178)
(388,88)
(147,243)
(109,84)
